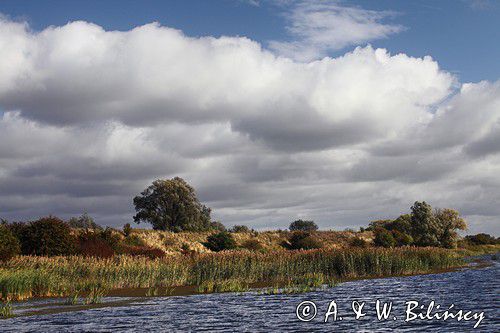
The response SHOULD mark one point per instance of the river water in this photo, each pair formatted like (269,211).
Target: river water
(474,290)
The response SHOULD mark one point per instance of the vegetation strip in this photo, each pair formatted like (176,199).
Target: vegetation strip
(29,276)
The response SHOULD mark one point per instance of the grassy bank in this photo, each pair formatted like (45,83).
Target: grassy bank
(24,276)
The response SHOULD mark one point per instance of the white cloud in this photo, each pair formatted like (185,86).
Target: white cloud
(319,27)
(92,116)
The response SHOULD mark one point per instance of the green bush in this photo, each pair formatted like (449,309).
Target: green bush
(252,245)
(402,238)
(9,244)
(48,236)
(384,238)
(220,241)
(358,242)
(303,240)
(301,225)
(240,229)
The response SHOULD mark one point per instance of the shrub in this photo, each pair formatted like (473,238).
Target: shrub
(127,229)
(9,244)
(216,225)
(48,236)
(358,242)
(481,239)
(301,225)
(92,245)
(303,240)
(252,245)
(240,229)
(384,238)
(220,241)
(402,238)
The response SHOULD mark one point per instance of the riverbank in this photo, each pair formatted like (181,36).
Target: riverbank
(26,277)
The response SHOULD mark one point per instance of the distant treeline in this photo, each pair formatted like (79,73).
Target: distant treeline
(172,205)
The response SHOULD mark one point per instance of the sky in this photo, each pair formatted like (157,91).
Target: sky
(342,112)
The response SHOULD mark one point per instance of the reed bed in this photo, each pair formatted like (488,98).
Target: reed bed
(27,276)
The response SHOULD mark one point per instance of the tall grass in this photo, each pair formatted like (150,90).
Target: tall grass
(24,277)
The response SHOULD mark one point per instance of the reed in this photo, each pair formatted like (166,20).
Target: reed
(28,276)
(6,310)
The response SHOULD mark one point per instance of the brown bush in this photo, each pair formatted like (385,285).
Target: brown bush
(91,245)
(358,242)
(146,251)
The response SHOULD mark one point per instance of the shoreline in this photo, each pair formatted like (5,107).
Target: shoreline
(137,295)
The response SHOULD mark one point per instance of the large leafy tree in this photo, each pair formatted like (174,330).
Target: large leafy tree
(426,228)
(450,221)
(435,228)
(171,205)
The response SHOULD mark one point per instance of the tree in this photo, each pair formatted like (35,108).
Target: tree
(84,221)
(240,229)
(220,241)
(301,225)
(401,224)
(401,238)
(449,222)
(171,205)
(378,224)
(425,226)
(127,229)
(9,244)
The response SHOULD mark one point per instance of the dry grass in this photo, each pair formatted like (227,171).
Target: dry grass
(270,240)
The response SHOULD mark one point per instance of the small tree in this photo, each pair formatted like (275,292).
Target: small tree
(84,221)
(171,205)
(9,244)
(127,229)
(216,225)
(240,229)
(220,241)
(301,225)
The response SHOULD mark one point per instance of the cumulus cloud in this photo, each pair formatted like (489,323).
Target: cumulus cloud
(91,117)
(318,27)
